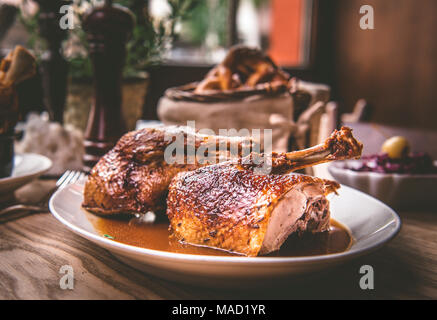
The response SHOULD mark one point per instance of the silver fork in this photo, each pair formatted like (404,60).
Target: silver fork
(69,177)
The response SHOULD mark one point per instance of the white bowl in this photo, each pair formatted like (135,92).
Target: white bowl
(401,191)
(27,167)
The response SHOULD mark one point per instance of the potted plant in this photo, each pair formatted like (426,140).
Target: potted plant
(150,40)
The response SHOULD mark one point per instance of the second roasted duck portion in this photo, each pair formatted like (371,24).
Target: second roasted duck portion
(134,176)
(229,206)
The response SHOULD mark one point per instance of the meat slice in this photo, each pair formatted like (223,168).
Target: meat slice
(230,206)
(304,208)
(134,176)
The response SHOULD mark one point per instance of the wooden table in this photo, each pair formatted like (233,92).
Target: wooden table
(33,249)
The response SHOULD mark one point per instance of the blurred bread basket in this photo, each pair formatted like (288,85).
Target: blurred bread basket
(292,113)
(248,91)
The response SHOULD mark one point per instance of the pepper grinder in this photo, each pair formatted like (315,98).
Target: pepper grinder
(54,68)
(108,29)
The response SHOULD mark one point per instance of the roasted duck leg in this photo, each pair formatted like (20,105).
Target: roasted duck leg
(230,207)
(340,145)
(134,176)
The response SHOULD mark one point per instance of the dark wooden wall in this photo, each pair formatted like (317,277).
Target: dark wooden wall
(394,66)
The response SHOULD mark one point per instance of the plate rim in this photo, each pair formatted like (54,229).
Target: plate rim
(172,256)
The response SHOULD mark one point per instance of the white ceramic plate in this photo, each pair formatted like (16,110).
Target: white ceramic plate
(370,221)
(27,166)
(401,191)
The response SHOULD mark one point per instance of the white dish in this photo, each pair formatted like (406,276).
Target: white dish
(27,167)
(402,191)
(371,223)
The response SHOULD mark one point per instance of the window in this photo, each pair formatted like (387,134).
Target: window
(280,27)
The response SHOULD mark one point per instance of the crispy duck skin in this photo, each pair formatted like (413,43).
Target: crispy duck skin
(133,177)
(230,207)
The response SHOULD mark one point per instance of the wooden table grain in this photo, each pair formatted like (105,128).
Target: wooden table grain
(35,247)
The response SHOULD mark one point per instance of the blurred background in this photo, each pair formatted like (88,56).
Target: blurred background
(67,95)
(393,66)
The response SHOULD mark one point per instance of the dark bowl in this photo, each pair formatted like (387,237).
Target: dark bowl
(6,155)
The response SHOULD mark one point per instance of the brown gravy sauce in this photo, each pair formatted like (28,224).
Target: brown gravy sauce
(133,231)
